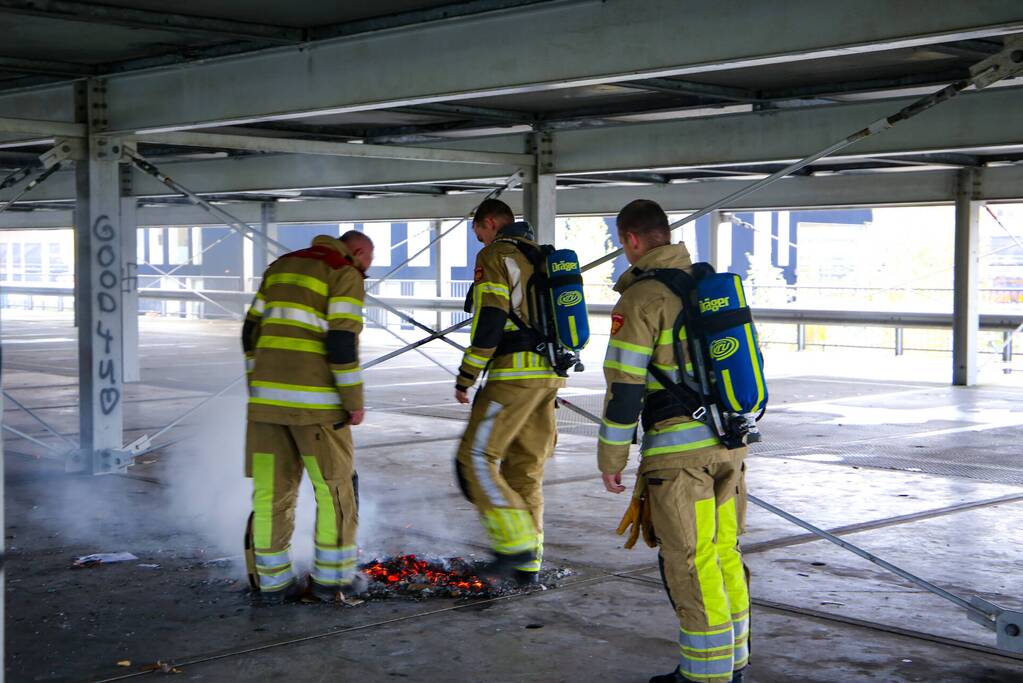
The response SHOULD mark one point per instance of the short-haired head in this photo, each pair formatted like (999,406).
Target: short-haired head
(642,226)
(360,246)
(489,218)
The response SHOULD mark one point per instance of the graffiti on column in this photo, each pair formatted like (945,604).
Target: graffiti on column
(107,296)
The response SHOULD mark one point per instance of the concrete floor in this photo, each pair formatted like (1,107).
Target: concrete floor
(929,477)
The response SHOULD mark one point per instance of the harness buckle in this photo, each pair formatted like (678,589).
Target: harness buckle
(699,413)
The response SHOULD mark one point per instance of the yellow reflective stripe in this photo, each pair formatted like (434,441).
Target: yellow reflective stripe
(262,499)
(665,336)
(726,379)
(708,572)
(731,565)
(755,362)
(630,369)
(311,283)
(572,331)
(738,292)
(504,376)
(291,344)
(345,300)
(292,387)
(648,452)
(258,306)
(493,288)
(326,516)
(291,404)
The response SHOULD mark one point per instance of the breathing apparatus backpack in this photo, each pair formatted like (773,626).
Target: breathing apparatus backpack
(726,387)
(559,324)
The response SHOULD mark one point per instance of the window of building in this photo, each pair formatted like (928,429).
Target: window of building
(419,236)
(33,262)
(156,236)
(57,267)
(177,246)
(380,233)
(197,246)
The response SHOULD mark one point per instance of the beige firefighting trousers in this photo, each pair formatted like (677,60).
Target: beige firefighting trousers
(698,514)
(275,456)
(500,464)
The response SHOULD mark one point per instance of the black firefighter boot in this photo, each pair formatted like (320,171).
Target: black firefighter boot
(503,566)
(524,579)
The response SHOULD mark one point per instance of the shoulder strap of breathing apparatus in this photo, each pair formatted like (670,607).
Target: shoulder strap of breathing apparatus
(539,335)
(694,395)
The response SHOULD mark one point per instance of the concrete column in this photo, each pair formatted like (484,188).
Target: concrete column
(442,270)
(539,200)
(129,287)
(98,295)
(714,239)
(965,306)
(262,246)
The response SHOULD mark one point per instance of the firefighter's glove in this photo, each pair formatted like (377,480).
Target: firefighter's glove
(638,518)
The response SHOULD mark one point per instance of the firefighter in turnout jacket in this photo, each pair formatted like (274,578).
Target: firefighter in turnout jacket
(690,488)
(511,430)
(301,342)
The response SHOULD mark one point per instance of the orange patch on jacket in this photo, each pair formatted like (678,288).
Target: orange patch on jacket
(617,320)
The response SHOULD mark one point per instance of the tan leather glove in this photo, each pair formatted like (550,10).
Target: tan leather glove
(638,517)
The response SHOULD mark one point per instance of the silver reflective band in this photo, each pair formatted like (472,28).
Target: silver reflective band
(334,556)
(328,397)
(347,378)
(272,560)
(344,308)
(616,434)
(479,456)
(270,582)
(297,315)
(682,437)
(706,641)
(628,357)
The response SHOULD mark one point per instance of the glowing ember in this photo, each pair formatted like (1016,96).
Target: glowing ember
(407,573)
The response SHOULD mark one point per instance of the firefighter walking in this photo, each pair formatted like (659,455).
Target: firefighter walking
(301,343)
(511,430)
(690,497)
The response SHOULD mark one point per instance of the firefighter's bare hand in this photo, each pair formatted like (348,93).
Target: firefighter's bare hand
(462,395)
(613,482)
(356,417)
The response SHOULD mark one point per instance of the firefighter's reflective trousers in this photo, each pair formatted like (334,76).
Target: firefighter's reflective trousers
(276,455)
(698,514)
(500,464)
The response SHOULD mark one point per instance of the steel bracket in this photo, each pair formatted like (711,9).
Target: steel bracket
(541,145)
(64,149)
(1005,64)
(1007,624)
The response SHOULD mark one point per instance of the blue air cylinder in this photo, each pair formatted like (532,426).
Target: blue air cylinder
(726,324)
(567,299)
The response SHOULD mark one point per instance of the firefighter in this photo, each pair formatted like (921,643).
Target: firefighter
(511,430)
(690,488)
(301,342)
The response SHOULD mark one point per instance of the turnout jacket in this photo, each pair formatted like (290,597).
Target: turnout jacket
(301,337)
(641,335)
(499,289)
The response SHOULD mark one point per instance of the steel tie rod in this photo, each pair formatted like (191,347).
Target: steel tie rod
(984,73)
